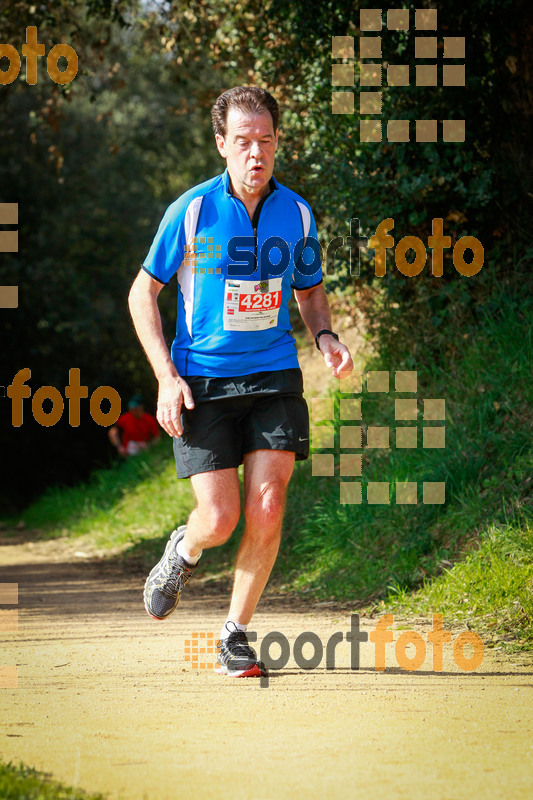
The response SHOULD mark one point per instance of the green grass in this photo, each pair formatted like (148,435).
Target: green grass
(493,586)
(128,502)
(23,783)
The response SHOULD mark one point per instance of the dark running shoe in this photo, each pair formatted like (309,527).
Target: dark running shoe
(237,659)
(163,585)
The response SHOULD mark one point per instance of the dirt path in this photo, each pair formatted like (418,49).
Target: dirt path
(106,701)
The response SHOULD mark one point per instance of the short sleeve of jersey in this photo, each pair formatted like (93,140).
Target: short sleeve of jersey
(309,274)
(167,250)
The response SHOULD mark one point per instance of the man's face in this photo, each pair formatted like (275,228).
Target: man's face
(137,411)
(249,148)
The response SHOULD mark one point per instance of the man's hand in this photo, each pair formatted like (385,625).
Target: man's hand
(173,390)
(173,393)
(314,309)
(336,356)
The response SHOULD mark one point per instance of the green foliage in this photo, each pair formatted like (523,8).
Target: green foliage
(24,783)
(93,169)
(410,180)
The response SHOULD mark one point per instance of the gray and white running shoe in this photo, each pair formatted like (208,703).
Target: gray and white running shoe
(237,659)
(165,582)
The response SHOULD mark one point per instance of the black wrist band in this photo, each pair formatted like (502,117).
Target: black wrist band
(319,334)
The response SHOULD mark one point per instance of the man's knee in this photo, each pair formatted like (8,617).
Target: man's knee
(220,520)
(264,509)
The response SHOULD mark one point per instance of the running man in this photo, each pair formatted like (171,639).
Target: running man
(230,390)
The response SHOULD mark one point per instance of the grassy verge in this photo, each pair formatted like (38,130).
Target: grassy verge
(23,783)
(492,587)
(470,558)
(131,501)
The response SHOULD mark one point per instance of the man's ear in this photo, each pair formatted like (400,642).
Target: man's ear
(221,145)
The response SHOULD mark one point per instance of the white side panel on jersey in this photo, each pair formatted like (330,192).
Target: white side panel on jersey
(186,278)
(306,218)
(306,223)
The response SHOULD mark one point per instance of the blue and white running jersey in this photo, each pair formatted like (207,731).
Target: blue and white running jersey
(235,276)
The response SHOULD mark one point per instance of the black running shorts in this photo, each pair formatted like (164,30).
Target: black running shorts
(233,416)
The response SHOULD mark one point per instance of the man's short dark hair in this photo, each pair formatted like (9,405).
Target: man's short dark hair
(250,99)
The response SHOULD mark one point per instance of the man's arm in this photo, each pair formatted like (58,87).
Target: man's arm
(114,438)
(314,310)
(173,390)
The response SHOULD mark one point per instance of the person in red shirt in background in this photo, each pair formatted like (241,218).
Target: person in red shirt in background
(139,429)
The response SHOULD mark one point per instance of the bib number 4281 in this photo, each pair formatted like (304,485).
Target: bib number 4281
(259,301)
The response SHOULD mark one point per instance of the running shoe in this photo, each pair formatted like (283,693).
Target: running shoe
(165,582)
(237,659)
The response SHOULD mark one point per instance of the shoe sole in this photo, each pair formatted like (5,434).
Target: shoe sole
(179,537)
(254,671)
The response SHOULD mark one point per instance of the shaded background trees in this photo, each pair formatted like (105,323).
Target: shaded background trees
(94,164)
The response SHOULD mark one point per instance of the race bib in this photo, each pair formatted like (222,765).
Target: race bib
(251,305)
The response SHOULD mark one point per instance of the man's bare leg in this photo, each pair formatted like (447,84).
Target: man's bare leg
(212,522)
(266,476)
(217,512)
